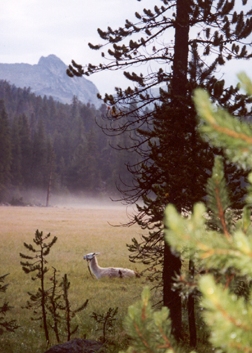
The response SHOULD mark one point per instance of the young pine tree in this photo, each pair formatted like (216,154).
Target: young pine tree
(37,263)
(5,324)
(50,304)
(67,308)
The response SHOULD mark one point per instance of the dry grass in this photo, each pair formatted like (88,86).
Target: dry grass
(79,231)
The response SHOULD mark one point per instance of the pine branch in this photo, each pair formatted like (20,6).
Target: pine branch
(26,256)
(222,130)
(150,331)
(245,83)
(81,307)
(214,250)
(218,198)
(29,247)
(3,287)
(228,317)
(5,325)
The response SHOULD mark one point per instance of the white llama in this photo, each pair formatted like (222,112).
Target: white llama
(100,272)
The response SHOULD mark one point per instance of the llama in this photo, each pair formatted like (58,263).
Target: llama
(110,272)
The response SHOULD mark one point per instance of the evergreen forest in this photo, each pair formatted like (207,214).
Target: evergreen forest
(49,148)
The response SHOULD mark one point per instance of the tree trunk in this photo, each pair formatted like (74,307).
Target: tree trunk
(43,298)
(191,312)
(172,263)
(180,63)
(49,184)
(171,297)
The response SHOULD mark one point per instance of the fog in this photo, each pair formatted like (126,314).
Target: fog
(83,200)
(32,197)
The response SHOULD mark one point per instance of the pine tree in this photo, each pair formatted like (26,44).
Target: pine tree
(223,251)
(16,175)
(26,150)
(66,306)
(226,249)
(39,158)
(5,149)
(37,264)
(5,324)
(164,169)
(49,170)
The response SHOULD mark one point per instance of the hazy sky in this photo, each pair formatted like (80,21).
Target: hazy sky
(30,29)
(34,28)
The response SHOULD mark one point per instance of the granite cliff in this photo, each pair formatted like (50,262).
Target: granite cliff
(49,78)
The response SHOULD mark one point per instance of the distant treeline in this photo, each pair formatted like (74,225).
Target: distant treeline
(50,146)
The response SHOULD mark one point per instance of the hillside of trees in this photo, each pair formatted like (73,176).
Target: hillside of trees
(55,148)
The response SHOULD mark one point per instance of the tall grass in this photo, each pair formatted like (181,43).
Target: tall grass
(79,231)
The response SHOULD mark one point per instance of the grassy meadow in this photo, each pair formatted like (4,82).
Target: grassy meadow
(79,230)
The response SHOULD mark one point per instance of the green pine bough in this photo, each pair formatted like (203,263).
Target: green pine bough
(149,329)
(219,241)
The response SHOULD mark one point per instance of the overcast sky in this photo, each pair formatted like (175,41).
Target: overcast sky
(30,29)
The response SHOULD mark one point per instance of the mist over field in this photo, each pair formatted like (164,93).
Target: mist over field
(83,200)
(37,197)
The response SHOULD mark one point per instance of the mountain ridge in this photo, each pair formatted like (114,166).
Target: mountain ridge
(48,78)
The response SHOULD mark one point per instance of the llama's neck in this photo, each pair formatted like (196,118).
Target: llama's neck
(94,267)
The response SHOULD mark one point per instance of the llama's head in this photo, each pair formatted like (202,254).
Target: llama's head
(90,256)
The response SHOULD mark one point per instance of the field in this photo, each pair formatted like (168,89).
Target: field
(79,230)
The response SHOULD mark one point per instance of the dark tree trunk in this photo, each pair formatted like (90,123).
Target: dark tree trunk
(191,312)
(172,263)
(180,63)
(172,300)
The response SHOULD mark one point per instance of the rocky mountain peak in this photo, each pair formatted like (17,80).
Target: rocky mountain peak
(53,64)
(49,78)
